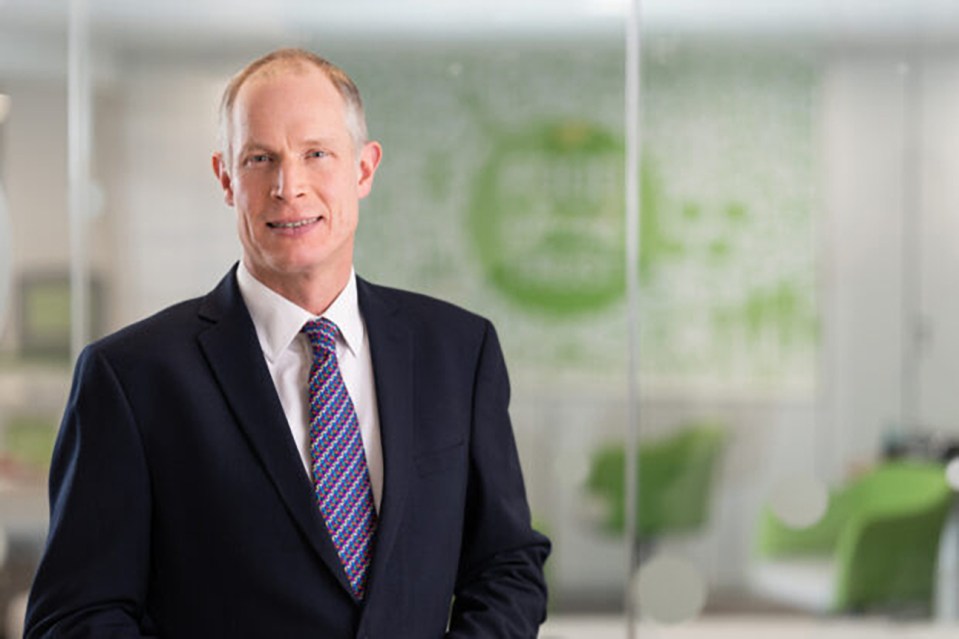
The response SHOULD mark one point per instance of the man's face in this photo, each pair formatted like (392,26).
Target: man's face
(295,177)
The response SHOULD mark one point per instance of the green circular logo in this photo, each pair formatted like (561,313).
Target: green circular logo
(547,217)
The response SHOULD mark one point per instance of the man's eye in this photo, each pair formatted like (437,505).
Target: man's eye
(316,154)
(259,158)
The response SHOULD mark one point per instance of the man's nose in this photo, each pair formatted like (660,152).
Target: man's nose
(289,183)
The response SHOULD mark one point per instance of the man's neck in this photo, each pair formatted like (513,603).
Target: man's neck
(313,291)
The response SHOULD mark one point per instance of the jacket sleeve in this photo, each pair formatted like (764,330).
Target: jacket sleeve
(500,590)
(93,577)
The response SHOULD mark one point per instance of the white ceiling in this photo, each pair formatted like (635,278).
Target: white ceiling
(33,32)
(137,17)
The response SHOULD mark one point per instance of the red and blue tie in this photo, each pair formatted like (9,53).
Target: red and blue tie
(341,480)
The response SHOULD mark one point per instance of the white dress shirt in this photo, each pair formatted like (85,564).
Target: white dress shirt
(288,357)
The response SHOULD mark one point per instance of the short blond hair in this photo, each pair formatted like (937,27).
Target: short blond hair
(286,58)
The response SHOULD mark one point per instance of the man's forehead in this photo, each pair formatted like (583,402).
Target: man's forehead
(282,67)
(282,70)
(257,105)
(272,91)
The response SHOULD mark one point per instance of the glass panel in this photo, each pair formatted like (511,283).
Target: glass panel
(501,191)
(34,282)
(795,250)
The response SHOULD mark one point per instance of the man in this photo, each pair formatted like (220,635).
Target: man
(299,453)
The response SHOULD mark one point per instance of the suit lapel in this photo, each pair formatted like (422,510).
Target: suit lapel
(392,355)
(233,352)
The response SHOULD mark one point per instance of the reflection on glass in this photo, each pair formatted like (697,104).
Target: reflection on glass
(5,274)
(795,249)
(797,252)
(33,246)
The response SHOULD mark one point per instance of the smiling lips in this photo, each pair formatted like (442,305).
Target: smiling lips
(294,225)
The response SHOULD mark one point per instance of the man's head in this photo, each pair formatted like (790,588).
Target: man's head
(294,164)
(285,59)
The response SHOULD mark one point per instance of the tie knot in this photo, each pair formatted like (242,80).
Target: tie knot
(322,335)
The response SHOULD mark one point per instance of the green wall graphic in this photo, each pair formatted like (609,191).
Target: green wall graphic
(502,189)
(547,217)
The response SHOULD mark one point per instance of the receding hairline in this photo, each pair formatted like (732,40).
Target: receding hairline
(286,61)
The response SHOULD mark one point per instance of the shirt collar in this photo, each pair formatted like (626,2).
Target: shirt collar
(278,320)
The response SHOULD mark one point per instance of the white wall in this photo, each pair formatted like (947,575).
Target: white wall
(175,238)
(35,178)
(939,233)
(862,268)
(890,140)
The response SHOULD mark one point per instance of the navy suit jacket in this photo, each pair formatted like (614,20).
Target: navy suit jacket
(180,507)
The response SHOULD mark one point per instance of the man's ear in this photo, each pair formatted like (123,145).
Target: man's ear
(223,177)
(370,156)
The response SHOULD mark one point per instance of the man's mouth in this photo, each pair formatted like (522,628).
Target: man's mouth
(293,225)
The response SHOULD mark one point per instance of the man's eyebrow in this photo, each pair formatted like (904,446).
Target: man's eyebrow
(253,145)
(328,141)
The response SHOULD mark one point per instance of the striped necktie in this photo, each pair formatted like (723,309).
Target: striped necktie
(341,480)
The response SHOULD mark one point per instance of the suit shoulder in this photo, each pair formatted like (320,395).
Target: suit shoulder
(162,329)
(431,310)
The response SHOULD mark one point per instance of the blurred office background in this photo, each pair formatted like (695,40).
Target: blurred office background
(792,402)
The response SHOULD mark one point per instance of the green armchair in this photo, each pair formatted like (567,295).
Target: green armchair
(675,477)
(880,535)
